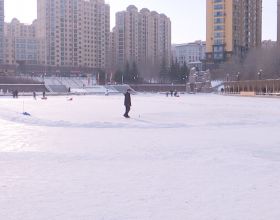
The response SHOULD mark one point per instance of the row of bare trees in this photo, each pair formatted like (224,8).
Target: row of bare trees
(258,64)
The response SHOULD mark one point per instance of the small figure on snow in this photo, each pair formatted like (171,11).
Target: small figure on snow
(127,103)
(107,93)
(175,93)
(171,93)
(167,93)
(34,95)
(69,89)
(44,93)
(16,94)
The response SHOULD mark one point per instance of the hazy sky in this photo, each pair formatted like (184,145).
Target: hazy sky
(187,16)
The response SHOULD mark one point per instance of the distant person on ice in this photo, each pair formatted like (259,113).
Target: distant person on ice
(34,95)
(44,93)
(171,92)
(127,103)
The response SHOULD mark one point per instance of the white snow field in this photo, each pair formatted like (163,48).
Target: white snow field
(196,157)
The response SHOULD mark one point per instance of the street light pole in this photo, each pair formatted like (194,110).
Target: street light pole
(227,77)
(260,73)
(238,76)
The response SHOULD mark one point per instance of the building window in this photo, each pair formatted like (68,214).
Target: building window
(220,6)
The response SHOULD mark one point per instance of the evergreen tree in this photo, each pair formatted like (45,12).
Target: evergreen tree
(127,73)
(118,76)
(102,77)
(135,74)
(163,70)
(184,73)
(171,70)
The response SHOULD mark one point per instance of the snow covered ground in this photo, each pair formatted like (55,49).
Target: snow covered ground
(197,157)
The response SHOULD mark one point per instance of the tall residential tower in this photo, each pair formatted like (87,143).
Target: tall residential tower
(2,54)
(233,27)
(278,23)
(142,36)
(77,34)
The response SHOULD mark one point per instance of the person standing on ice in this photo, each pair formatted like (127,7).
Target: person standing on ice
(127,103)
(34,95)
(16,94)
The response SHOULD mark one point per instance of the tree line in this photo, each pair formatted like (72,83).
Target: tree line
(165,72)
(258,64)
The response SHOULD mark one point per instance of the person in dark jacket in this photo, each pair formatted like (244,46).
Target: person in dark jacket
(34,95)
(127,103)
(44,93)
(16,94)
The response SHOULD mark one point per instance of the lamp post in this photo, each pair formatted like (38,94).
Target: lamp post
(238,76)
(260,74)
(227,77)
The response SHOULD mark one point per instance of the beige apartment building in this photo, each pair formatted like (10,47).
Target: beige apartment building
(24,52)
(233,27)
(142,36)
(15,28)
(278,23)
(77,34)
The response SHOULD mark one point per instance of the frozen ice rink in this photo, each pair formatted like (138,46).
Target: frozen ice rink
(197,157)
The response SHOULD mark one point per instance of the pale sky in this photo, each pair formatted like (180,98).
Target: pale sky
(188,17)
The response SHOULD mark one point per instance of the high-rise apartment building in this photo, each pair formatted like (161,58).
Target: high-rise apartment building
(2,45)
(278,23)
(77,34)
(142,36)
(233,26)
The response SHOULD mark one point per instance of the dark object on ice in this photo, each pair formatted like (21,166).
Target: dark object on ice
(25,113)
(171,92)
(69,89)
(127,103)
(34,95)
(44,93)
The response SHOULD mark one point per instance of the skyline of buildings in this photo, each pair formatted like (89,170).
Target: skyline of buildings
(75,36)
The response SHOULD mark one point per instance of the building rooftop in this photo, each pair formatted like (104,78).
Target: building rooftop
(154,13)
(163,15)
(144,10)
(131,7)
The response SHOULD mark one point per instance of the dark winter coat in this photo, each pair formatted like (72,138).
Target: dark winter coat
(127,99)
